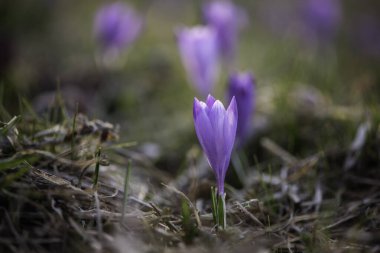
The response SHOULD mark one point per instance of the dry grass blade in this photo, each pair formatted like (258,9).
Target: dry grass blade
(57,180)
(195,211)
(249,214)
(278,151)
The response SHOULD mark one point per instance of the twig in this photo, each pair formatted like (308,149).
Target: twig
(141,202)
(249,214)
(275,149)
(339,222)
(98,214)
(53,157)
(56,180)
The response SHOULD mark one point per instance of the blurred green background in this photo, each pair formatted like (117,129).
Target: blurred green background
(47,44)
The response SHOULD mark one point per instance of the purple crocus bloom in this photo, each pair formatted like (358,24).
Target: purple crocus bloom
(116,26)
(242,87)
(226,18)
(216,129)
(322,18)
(199,52)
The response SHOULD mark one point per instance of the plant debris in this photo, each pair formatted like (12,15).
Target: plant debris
(49,202)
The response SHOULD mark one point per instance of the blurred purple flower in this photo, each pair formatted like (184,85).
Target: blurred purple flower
(216,129)
(226,19)
(242,87)
(321,17)
(199,52)
(116,26)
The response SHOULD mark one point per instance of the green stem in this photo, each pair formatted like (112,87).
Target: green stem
(218,208)
(222,211)
(214,203)
(126,183)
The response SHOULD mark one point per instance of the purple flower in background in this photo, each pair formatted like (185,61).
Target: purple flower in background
(199,52)
(116,26)
(242,87)
(216,129)
(226,18)
(322,17)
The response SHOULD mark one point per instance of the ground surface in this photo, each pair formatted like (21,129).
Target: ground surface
(306,180)
(326,201)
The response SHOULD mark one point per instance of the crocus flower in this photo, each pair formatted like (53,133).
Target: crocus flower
(116,26)
(226,18)
(199,52)
(242,87)
(216,129)
(322,18)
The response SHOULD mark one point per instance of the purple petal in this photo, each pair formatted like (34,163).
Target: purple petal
(197,106)
(230,126)
(210,101)
(241,85)
(199,54)
(322,18)
(117,25)
(230,123)
(204,131)
(225,17)
(217,115)
(216,130)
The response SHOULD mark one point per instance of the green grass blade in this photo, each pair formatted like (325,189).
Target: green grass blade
(97,167)
(222,211)
(126,184)
(214,204)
